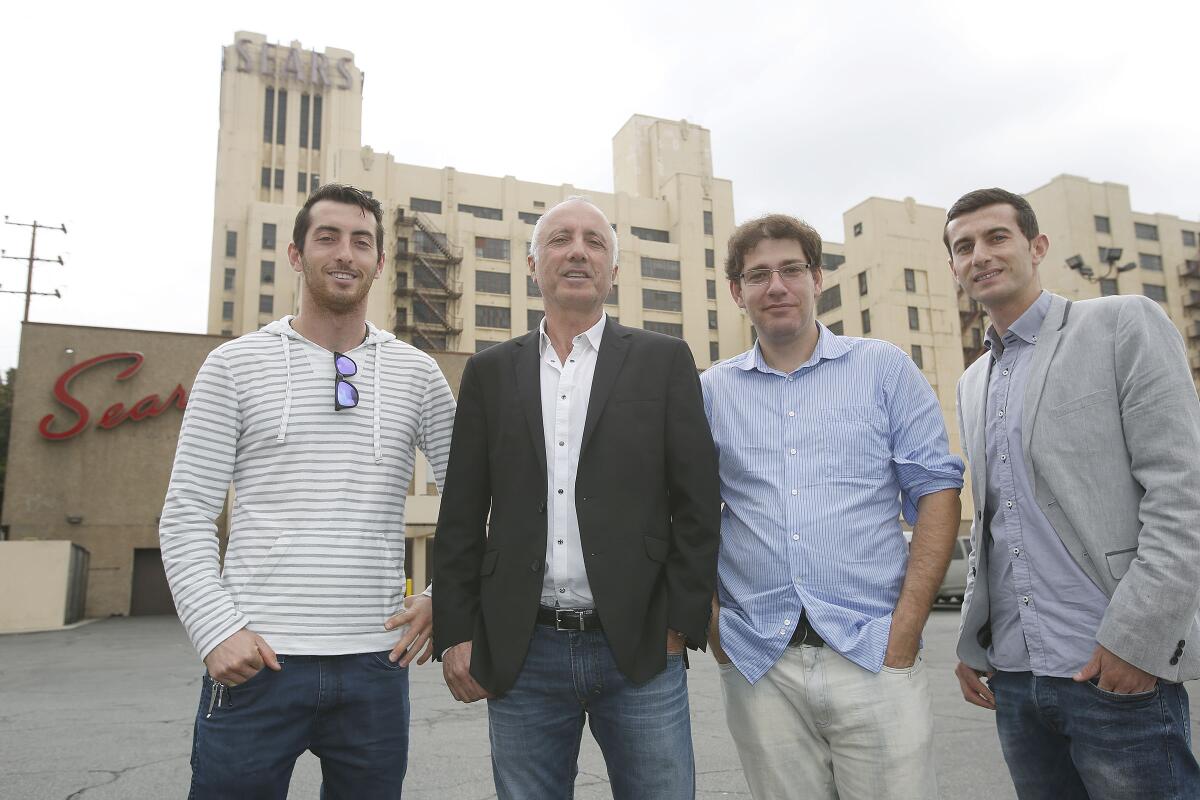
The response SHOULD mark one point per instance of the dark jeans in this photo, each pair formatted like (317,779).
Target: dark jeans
(644,731)
(350,711)
(1065,740)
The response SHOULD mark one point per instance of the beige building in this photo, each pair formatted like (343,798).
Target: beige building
(456,277)
(895,282)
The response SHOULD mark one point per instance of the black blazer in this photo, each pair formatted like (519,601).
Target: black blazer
(646,493)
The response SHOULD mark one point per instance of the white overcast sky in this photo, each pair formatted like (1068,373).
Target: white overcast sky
(110,112)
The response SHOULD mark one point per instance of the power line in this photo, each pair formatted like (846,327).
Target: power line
(29,292)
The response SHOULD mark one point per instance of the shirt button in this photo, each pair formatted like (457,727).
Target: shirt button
(560,491)
(560,444)
(787,622)
(1002,412)
(1025,599)
(1035,338)
(1005,372)
(790,379)
(562,591)
(795,537)
(1004,456)
(564,397)
(1008,503)
(783,632)
(1016,551)
(791,413)
(794,491)
(792,452)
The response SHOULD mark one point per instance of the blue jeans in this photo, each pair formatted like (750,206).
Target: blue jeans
(351,711)
(644,731)
(1065,740)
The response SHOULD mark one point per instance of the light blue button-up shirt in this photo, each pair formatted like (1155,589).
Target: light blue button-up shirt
(1045,610)
(816,466)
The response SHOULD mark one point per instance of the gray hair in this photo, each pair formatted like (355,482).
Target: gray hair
(534,247)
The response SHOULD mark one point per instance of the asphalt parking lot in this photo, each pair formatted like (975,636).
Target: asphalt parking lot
(105,711)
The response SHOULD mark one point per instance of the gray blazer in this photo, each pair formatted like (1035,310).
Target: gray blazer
(1111,431)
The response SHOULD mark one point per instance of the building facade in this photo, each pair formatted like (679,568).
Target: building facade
(456,277)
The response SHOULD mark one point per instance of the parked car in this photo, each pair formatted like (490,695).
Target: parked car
(954,585)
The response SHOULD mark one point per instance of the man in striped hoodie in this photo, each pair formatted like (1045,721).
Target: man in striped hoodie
(305,633)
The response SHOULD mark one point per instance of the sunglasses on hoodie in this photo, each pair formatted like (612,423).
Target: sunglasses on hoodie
(344,393)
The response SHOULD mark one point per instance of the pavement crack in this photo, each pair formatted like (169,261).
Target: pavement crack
(116,774)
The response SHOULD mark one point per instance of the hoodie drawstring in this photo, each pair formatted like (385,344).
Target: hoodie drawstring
(376,402)
(287,392)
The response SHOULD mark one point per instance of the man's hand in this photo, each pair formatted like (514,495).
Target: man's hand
(676,642)
(456,669)
(974,690)
(1115,674)
(902,648)
(418,639)
(714,633)
(240,657)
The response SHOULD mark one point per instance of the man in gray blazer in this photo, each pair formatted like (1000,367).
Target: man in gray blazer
(1082,428)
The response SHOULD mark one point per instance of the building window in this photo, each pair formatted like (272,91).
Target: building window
(650,234)
(1108,286)
(711,289)
(836,327)
(1101,254)
(230,277)
(268,236)
(316,124)
(227,309)
(659,300)
(914,319)
(482,212)
(1143,230)
(714,351)
(1102,225)
(1150,261)
(862,283)
(264,179)
(301,181)
(533,318)
(269,115)
(481,345)
(434,245)
(401,317)
(528,217)
(531,287)
(858,229)
(430,311)
(710,258)
(303,123)
(1191,267)
(278,179)
(1155,292)
(427,206)
(493,282)
(266,304)
(866,321)
(829,299)
(660,268)
(491,248)
(266,272)
(832,261)
(227,331)
(430,276)
(231,244)
(493,317)
(612,298)
(281,118)
(910,280)
(1189,238)
(708,223)
(669,328)
(918,356)
(314,182)
(712,320)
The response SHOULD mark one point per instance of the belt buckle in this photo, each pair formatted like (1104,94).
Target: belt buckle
(559,619)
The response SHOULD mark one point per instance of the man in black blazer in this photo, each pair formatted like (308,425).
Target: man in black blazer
(587,443)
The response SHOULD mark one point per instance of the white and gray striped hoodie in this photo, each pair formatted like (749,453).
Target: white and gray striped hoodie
(315,560)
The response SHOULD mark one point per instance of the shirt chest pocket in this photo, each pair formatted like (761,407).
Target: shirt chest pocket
(854,442)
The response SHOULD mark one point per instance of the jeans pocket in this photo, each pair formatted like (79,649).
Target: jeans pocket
(1117,698)
(380,659)
(904,670)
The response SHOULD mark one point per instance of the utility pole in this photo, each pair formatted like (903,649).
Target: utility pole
(29,292)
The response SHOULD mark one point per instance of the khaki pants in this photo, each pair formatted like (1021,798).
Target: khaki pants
(818,726)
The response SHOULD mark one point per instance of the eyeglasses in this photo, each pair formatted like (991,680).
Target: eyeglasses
(344,393)
(761,276)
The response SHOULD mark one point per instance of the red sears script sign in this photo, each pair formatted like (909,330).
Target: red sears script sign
(114,415)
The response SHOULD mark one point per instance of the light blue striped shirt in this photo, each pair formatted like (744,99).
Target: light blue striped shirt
(816,467)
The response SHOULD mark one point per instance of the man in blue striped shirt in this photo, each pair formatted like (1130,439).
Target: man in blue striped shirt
(823,441)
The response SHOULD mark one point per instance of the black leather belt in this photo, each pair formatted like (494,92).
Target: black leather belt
(805,634)
(569,619)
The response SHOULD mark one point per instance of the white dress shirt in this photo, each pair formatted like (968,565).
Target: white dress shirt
(566,389)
